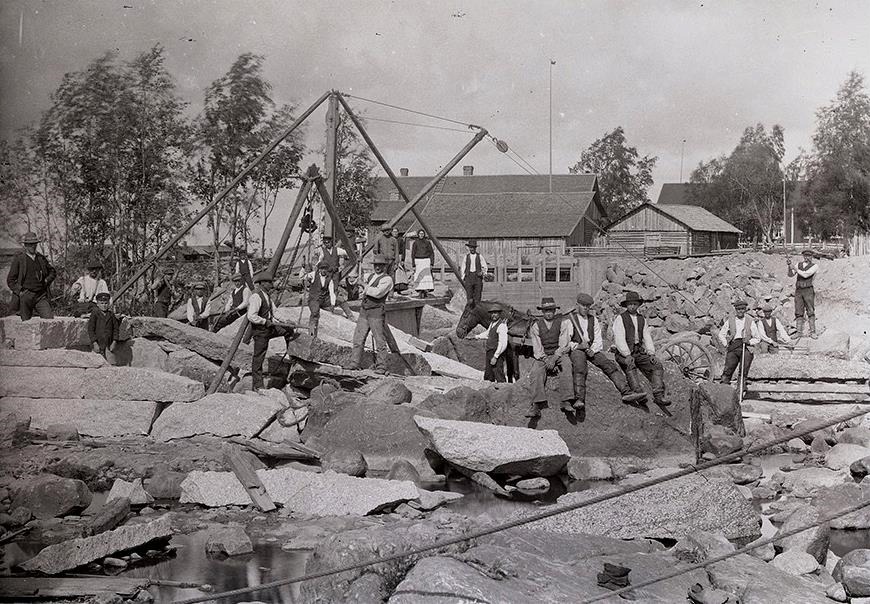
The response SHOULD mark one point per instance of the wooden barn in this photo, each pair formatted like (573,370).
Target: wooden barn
(672,229)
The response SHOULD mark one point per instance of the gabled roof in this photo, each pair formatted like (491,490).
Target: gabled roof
(680,193)
(693,217)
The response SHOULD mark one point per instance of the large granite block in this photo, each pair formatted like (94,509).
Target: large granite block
(88,417)
(39,334)
(219,414)
(42,382)
(136,384)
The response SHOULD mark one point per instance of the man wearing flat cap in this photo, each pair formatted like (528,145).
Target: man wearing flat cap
(738,334)
(551,345)
(472,269)
(771,331)
(86,288)
(103,325)
(237,303)
(636,350)
(804,292)
(30,276)
(261,315)
(198,310)
(587,347)
(371,318)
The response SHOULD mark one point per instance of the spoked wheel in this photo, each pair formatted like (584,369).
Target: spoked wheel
(691,357)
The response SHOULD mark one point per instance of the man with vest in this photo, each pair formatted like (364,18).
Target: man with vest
(587,347)
(472,269)
(738,334)
(804,293)
(388,246)
(197,306)
(162,289)
(321,294)
(496,336)
(635,349)
(242,265)
(771,331)
(86,288)
(30,276)
(551,345)
(374,295)
(261,315)
(236,304)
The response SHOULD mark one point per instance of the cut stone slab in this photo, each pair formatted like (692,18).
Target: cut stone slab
(39,334)
(213,489)
(139,352)
(71,554)
(830,343)
(191,365)
(219,414)
(134,492)
(37,382)
(801,367)
(669,510)
(210,345)
(51,358)
(500,449)
(136,384)
(88,417)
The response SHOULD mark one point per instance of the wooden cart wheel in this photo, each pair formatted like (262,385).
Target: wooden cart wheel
(691,357)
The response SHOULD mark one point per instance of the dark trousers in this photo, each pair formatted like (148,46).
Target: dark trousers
(261,335)
(201,323)
(538,375)
(649,366)
(804,301)
(370,320)
(580,362)
(314,307)
(33,303)
(732,359)
(161,309)
(494,373)
(225,319)
(473,289)
(766,348)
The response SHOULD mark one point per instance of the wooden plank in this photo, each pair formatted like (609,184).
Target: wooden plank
(812,397)
(809,387)
(752,415)
(249,479)
(420,344)
(67,587)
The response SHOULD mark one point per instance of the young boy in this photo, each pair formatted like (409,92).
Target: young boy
(102,325)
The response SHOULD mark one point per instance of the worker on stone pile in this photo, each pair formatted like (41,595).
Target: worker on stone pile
(197,306)
(102,325)
(333,256)
(371,318)
(804,293)
(472,269)
(739,333)
(86,288)
(321,294)
(236,305)
(29,279)
(496,336)
(551,347)
(635,349)
(771,331)
(388,246)
(586,347)
(163,292)
(264,327)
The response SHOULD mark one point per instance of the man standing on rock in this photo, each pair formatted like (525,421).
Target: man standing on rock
(30,276)
(372,316)
(738,334)
(586,347)
(771,331)
(321,294)
(472,269)
(236,304)
(162,289)
(804,293)
(635,349)
(551,345)
(496,336)
(261,315)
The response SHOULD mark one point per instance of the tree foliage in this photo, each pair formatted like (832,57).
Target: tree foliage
(624,177)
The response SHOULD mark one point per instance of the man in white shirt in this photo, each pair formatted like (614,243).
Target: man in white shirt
(804,293)
(551,339)
(321,294)
(472,269)
(197,306)
(374,295)
(236,304)
(496,336)
(87,287)
(261,315)
(587,347)
(771,331)
(636,351)
(738,334)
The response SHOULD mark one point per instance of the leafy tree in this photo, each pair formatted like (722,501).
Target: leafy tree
(356,177)
(624,177)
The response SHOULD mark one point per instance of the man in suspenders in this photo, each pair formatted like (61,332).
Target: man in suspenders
(771,331)
(586,347)
(551,339)
(472,268)
(371,315)
(321,294)
(236,304)
(635,349)
(197,306)
(261,315)
(496,336)
(804,293)
(738,334)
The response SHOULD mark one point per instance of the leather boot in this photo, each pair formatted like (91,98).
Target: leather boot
(813,328)
(312,327)
(622,386)
(799,327)
(634,384)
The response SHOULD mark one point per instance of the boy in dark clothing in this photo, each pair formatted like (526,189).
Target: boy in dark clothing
(102,325)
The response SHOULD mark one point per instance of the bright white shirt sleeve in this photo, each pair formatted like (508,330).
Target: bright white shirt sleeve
(809,272)
(206,308)
(383,288)
(647,339)
(462,266)
(537,347)
(566,331)
(619,337)
(254,303)
(723,333)
(502,331)
(781,332)
(754,337)
(190,317)
(762,333)
(330,284)
(483,266)
(597,344)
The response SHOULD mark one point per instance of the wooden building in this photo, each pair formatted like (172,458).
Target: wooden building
(673,229)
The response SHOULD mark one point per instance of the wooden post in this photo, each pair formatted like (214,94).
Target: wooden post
(331,161)
(338,227)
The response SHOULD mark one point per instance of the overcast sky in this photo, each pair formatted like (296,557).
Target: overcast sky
(665,71)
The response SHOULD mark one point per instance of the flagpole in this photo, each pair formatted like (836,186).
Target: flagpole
(552,62)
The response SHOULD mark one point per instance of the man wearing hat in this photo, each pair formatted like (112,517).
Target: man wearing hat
(321,294)
(551,340)
(198,310)
(162,289)
(496,336)
(333,256)
(738,334)
(586,347)
(236,304)
(261,315)
(388,246)
(30,276)
(242,265)
(374,295)
(771,331)
(87,287)
(635,349)
(804,293)
(102,325)
(472,269)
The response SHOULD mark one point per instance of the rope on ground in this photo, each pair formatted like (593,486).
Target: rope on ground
(555,511)
(743,550)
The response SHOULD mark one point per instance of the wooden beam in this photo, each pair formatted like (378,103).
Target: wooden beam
(330,161)
(39,588)
(249,479)
(263,448)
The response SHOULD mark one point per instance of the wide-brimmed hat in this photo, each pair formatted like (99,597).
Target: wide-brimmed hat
(740,304)
(324,264)
(30,237)
(237,276)
(94,264)
(495,307)
(326,236)
(471,243)
(263,277)
(548,304)
(631,297)
(386,229)
(767,307)
(807,253)
(380,259)
(198,285)
(103,296)
(585,299)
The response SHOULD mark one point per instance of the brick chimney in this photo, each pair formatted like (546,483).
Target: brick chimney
(403,171)
(468,170)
